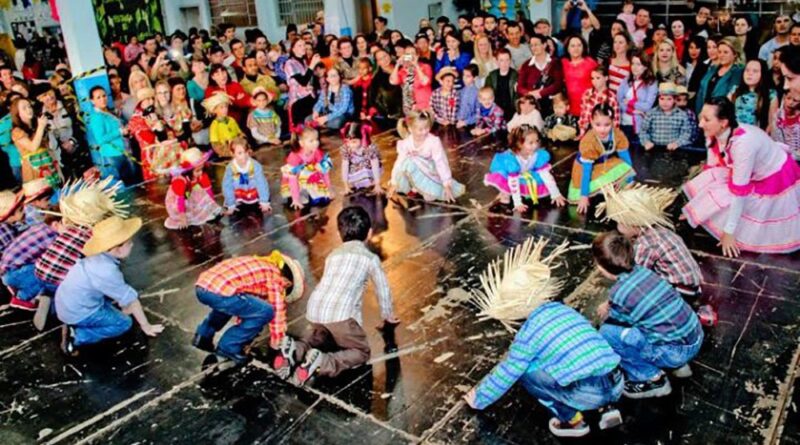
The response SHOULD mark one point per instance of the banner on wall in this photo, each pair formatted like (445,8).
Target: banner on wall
(121,19)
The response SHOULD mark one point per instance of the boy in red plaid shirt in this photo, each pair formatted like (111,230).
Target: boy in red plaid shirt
(11,213)
(238,287)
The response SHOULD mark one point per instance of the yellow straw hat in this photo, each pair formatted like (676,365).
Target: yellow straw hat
(637,206)
(509,293)
(35,189)
(9,203)
(446,71)
(216,99)
(87,203)
(298,281)
(111,232)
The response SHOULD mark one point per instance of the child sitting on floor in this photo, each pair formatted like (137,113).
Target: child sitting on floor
(224,128)
(37,198)
(561,126)
(666,125)
(84,299)
(526,114)
(523,171)
(255,290)
(445,100)
(305,178)
(468,98)
(603,159)
(490,115)
(646,321)
(19,258)
(361,162)
(244,181)
(334,308)
(190,199)
(11,215)
(263,122)
(422,166)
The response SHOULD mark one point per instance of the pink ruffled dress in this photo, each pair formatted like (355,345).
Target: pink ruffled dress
(761,172)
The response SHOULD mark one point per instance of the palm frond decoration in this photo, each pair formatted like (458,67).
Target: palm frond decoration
(637,205)
(518,283)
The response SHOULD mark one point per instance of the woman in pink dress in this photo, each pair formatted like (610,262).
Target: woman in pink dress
(577,68)
(748,195)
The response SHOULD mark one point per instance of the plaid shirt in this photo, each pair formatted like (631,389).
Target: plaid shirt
(251,276)
(445,108)
(340,293)
(491,119)
(664,252)
(65,251)
(7,234)
(27,247)
(661,128)
(592,98)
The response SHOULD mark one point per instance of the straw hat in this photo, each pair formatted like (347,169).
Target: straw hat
(262,90)
(637,206)
(145,93)
(216,99)
(36,189)
(87,203)
(562,132)
(298,280)
(510,292)
(448,70)
(111,232)
(9,203)
(681,90)
(667,88)
(193,158)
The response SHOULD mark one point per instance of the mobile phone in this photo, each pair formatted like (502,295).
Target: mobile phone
(408,58)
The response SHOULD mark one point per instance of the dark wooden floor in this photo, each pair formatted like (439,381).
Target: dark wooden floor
(157,391)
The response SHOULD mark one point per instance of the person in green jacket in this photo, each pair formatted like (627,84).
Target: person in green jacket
(722,79)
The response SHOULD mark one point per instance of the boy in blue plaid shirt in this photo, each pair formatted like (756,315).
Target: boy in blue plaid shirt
(666,125)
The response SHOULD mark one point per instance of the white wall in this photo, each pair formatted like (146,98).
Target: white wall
(267,14)
(172,14)
(405,14)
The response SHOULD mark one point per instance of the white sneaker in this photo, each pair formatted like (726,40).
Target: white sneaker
(610,419)
(684,372)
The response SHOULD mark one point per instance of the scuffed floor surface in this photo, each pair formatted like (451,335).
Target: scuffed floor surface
(158,391)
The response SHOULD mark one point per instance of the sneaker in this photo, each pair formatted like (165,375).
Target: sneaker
(22,304)
(239,359)
(566,429)
(203,343)
(284,361)
(42,311)
(68,341)
(610,419)
(306,370)
(684,372)
(645,390)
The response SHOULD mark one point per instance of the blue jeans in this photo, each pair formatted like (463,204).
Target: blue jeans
(16,170)
(585,394)
(643,361)
(106,322)
(24,282)
(253,312)
(119,167)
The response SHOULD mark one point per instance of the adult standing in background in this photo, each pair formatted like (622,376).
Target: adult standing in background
(577,67)
(541,76)
(520,53)
(782,26)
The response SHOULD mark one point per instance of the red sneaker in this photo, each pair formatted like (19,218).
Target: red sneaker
(304,372)
(23,305)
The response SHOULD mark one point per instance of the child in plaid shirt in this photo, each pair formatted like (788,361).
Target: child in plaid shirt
(445,100)
(11,214)
(666,125)
(682,102)
(238,287)
(334,308)
(18,261)
(490,115)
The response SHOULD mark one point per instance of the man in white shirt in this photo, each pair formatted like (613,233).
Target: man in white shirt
(782,26)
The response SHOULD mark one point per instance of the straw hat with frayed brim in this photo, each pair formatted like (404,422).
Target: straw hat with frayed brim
(87,203)
(191,159)
(298,279)
(9,203)
(110,233)
(216,99)
(637,206)
(36,189)
(667,89)
(446,71)
(513,287)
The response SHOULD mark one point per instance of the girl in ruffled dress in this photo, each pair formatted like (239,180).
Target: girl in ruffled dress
(361,162)
(306,174)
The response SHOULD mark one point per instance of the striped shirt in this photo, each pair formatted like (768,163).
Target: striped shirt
(664,252)
(250,275)
(616,74)
(27,247)
(644,300)
(340,294)
(557,340)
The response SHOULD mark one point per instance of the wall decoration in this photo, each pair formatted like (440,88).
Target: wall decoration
(119,19)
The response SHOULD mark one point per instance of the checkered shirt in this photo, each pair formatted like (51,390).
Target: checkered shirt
(661,128)
(7,234)
(591,98)
(492,120)
(664,252)
(445,108)
(251,276)
(27,247)
(65,251)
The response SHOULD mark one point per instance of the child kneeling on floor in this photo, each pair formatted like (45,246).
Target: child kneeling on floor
(334,308)
(646,321)
(84,298)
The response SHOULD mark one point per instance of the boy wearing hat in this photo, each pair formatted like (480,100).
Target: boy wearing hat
(11,215)
(18,259)
(84,299)
(238,287)
(646,321)
(263,122)
(334,308)
(445,100)
(666,125)
(37,198)
(224,128)
(682,102)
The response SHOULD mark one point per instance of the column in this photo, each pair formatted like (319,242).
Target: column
(542,9)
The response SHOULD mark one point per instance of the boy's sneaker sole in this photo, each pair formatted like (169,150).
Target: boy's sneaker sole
(42,311)
(640,389)
(556,428)
(610,419)
(684,372)
(306,370)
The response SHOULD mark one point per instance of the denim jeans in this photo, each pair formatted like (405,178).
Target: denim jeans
(106,322)
(585,394)
(119,167)
(253,312)
(643,361)
(24,282)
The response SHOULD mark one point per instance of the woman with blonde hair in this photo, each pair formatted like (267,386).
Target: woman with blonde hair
(722,79)
(666,66)
(484,58)
(138,80)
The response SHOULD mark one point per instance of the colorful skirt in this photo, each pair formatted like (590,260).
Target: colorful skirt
(500,182)
(200,208)
(41,165)
(313,186)
(363,178)
(419,174)
(612,170)
(770,221)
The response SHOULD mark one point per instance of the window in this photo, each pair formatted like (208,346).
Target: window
(298,11)
(241,13)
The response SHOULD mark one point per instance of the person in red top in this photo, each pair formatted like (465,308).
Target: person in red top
(577,68)
(150,132)
(541,75)
(598,94)
(190,199)
(237,287)
(360,87)
(242,102)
